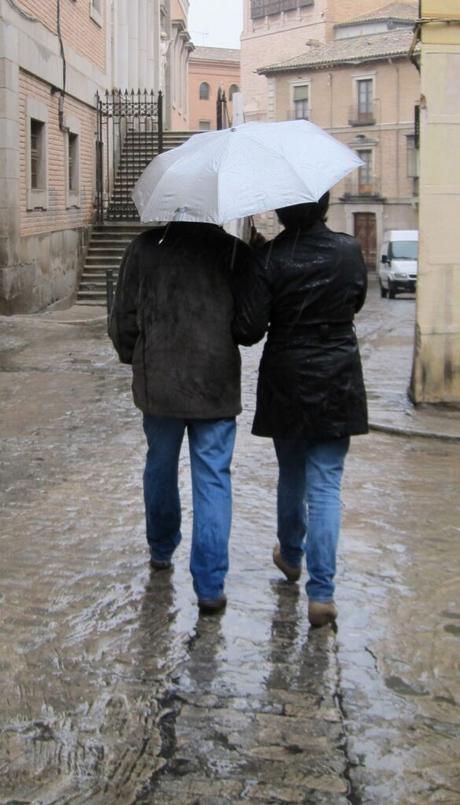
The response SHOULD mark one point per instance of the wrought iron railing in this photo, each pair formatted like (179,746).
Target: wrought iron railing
(129,133)
(222,117)
(361,117)
(362,186)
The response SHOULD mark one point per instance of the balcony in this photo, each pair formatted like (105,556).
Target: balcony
(360,188)
(291,114)
(359,117)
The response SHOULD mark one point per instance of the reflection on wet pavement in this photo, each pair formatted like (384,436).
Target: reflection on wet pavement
(113,690)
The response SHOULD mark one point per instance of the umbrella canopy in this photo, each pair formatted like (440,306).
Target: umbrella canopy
(218,176)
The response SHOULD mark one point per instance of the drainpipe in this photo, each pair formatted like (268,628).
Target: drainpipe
(62,125)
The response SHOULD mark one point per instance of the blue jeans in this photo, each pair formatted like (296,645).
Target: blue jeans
(211,445)
(309,507)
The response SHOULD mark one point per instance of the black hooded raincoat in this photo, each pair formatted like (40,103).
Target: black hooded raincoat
(309,285)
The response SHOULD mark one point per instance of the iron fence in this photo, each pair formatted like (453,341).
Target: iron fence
(129,134)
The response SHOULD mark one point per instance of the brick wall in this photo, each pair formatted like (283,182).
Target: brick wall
(79,31)
(57,216)
(44,10)
(270,40)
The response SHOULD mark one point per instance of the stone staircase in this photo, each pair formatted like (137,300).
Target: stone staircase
(110,239)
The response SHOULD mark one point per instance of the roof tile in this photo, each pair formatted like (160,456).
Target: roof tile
(351,50)
(216,54)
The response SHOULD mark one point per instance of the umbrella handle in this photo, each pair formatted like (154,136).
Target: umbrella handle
(256,239)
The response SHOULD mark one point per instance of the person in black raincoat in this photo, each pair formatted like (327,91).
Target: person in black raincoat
(171,320)
(310,395)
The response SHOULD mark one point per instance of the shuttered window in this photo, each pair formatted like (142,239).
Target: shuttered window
(301,102)
(263,8)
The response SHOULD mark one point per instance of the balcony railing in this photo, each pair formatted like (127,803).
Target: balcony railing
(291,114)
(359,117)
(357,187)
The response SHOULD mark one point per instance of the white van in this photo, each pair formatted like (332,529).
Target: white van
(398,262)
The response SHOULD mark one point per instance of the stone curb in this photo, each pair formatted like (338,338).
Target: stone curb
(423,434)
(44,320)
(78,321)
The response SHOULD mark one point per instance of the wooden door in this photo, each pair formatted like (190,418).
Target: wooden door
(366,233)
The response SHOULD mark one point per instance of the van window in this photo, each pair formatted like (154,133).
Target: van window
(403,250)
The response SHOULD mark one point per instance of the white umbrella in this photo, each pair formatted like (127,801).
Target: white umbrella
(218,176)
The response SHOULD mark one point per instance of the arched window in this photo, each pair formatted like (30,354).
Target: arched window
(204,91)
(234,88)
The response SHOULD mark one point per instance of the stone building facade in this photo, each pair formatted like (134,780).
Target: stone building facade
(275,30)
(55,56)
(436,374)
(362,88)
(211,69)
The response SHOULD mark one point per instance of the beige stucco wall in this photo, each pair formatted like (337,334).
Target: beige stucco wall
(397,90)
(436,374)
(280,37)
(218,74)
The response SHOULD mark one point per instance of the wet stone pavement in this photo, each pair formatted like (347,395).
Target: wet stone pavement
(113,690)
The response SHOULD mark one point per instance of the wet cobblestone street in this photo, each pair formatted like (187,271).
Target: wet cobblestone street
(113,690)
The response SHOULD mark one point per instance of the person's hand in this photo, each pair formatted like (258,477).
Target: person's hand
(256,239)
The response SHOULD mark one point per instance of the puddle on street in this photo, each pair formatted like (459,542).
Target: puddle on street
(112,689)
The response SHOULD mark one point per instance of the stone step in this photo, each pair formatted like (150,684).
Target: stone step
(103,263)
(101,268)
(110,239)
(91,298)
(96,278)
(105,248)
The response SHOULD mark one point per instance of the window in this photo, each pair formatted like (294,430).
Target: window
(263,8)
(301,101)
(204,91)
(37,161)
(36,156)
(413,162)
(73,163)
(365,171)
(233,88)
(204,125)
(365,98)
(412,157)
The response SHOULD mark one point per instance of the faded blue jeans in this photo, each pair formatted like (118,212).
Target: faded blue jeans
(211,443)
(309,507)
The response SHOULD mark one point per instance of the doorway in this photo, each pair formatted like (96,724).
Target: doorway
(365,230)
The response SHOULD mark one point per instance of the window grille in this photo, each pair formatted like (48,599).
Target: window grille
(263,8)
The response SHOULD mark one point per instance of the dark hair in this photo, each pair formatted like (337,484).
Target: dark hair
(303,216)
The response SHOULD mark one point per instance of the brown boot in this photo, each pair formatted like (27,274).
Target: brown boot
(291,572)
(211,606)
(321,612)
